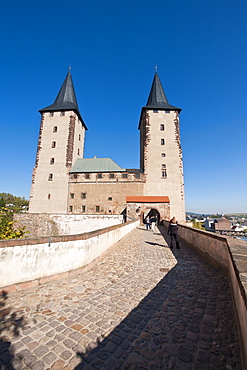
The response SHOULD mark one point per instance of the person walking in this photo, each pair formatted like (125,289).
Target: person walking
(173,232)
(148,223)
(153,222)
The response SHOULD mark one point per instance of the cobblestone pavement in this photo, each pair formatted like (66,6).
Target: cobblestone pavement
(142,306)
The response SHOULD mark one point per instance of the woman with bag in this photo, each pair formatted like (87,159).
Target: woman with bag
(173,232)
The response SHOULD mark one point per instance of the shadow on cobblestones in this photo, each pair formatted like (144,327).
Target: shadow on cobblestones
(185,322)
(10,323)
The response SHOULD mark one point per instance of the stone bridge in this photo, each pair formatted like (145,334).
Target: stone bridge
(136,305)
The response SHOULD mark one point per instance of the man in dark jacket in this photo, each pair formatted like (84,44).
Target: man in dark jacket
(173,232)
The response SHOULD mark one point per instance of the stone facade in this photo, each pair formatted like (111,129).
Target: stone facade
(58,186)
(106,195)
(221,224)
(161,157)
(141,209)
(61,141)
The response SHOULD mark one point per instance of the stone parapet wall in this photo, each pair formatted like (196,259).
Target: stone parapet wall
(32,261)
(44,224)
(230,255)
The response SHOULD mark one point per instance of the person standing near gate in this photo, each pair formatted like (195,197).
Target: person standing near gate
(153,222)
(148,223)
(173,232)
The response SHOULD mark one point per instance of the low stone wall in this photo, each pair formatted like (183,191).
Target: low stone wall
(230,255)
(44,224)
(29,262)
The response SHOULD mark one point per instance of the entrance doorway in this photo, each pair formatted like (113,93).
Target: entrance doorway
(151,213)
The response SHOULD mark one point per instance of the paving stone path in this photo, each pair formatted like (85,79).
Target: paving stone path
(142,306)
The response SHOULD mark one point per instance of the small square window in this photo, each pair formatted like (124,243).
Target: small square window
(137,176)
(71,208)
(83,208)
(83,195)
(72,195)
(162,127)
(155,111)
(51,114)
(163,154)
(62,114)
(50,177)
(112,175)
(53,144)
(87,176)
(109,198)
(164,174)
(99,175)
(124,175)
(55,129)
(162,141)
(52,160)
(163,166)
(167,111)
(97,208)
(75,176)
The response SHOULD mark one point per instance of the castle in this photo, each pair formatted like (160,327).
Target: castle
(64,182)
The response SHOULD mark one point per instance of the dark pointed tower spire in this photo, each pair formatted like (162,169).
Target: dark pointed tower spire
(157,98)
(66,99)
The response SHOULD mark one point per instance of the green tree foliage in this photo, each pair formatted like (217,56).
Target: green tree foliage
(7,229)
(12,202)
(214,216)
(197,225)
(2,202)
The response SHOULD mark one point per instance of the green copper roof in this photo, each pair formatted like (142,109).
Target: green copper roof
(95,165)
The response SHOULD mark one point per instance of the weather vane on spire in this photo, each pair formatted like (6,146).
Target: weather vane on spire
(69,67)
(156,68)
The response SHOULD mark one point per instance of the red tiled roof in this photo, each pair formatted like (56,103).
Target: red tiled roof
(147,199)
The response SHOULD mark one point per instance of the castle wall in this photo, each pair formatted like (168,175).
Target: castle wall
(162,158)
(44,224)
(230,255)
(40,260)
(108,195)
(61,142)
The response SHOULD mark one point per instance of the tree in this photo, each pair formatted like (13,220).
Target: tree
(7,229)
(18,202)
(13,203)
(197,225)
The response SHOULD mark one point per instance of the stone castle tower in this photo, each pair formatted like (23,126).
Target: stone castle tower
(160,149)
(66,183)
(61,142)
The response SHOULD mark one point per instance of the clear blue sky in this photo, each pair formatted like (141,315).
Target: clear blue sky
(113,47)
